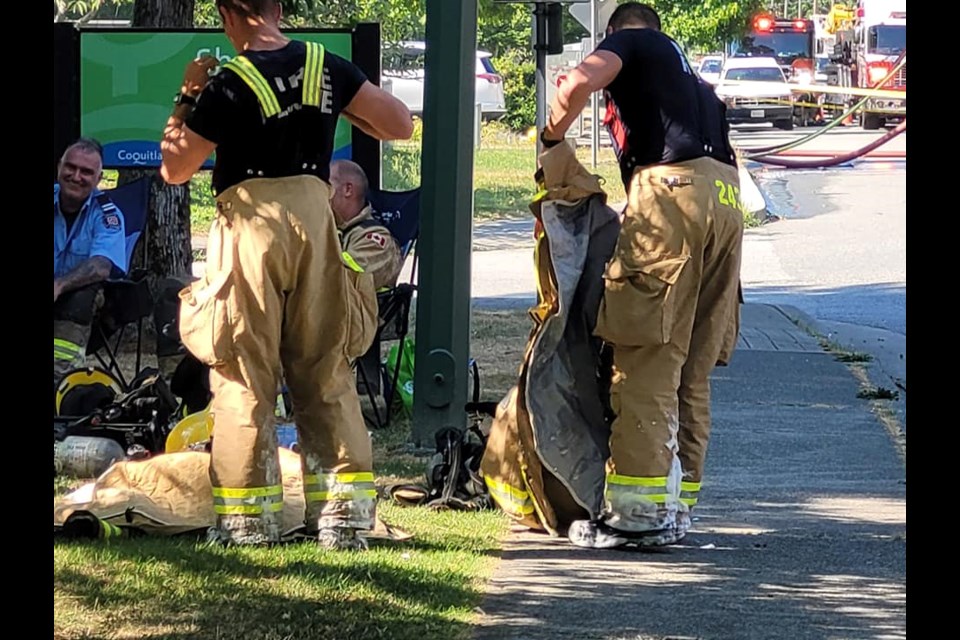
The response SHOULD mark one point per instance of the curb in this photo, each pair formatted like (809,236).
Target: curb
(801,319)
(891,413)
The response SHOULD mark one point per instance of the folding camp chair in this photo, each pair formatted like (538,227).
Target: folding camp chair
(127,297)
(399,212)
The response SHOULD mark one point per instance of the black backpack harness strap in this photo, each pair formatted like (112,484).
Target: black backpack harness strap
(455,481)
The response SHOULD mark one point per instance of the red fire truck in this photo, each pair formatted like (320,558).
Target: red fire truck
(879,44)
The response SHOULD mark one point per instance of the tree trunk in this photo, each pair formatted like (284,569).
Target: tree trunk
(164,250)
(163,13)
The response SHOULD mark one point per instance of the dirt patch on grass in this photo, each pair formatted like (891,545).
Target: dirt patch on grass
(497,342)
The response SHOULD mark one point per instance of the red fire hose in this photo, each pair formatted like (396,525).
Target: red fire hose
(882,155)
(835,160)
(764,154)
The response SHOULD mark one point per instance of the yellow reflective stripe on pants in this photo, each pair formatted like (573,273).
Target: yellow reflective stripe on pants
(252,501)
(66,350)
(255,80)
(339,486)
(108,530)
(637,481)
(689,493)
(313,75)
(653,489)
(511,499)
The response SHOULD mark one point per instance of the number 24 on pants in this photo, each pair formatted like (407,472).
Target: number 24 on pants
(729,195)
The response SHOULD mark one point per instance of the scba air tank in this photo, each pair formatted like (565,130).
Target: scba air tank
(85,457)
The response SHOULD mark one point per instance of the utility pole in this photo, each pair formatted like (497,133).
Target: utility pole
(539,34)
(547,39)
(446,227)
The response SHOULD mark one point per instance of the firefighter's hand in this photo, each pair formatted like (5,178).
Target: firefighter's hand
(197,75)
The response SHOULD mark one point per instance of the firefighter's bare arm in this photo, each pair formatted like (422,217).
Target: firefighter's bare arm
(379,114)
(184,151)
(94,269)
(594,73)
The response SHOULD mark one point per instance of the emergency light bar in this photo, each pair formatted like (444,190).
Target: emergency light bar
(768,22)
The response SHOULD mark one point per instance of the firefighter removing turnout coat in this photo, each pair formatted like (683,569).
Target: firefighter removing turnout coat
(544,460)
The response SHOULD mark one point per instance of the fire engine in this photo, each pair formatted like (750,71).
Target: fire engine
(790,42)
(869,41)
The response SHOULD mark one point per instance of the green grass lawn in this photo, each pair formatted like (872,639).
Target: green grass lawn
(426,588)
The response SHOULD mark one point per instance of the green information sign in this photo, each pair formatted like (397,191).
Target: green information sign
(129,78)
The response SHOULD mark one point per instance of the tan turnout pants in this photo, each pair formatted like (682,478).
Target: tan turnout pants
(276,292)
(671,310)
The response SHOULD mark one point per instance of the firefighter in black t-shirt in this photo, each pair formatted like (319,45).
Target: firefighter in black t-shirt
(670,308)
(277,291)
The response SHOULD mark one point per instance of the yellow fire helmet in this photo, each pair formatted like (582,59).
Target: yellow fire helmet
(91,382)
(193,429)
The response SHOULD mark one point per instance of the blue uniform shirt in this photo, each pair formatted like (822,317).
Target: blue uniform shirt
(95,232)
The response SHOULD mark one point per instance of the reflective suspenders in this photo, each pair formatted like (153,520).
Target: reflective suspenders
(312,80)
(313,75)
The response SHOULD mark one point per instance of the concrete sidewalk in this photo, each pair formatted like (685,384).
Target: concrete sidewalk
(801,532)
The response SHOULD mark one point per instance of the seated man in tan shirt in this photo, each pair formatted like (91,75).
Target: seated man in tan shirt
(361,235)
(367,241)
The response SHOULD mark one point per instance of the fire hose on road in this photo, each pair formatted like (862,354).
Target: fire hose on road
(768,155)
(834,160)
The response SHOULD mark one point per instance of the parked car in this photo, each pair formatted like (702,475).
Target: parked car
(756,91)
(709,68)
(403,76)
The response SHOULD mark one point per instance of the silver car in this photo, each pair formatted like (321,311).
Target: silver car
(403,76)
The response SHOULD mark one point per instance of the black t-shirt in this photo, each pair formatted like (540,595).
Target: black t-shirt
(299,141)
(658,110)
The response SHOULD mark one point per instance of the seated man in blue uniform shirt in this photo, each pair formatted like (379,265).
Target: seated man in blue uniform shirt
(89,245)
